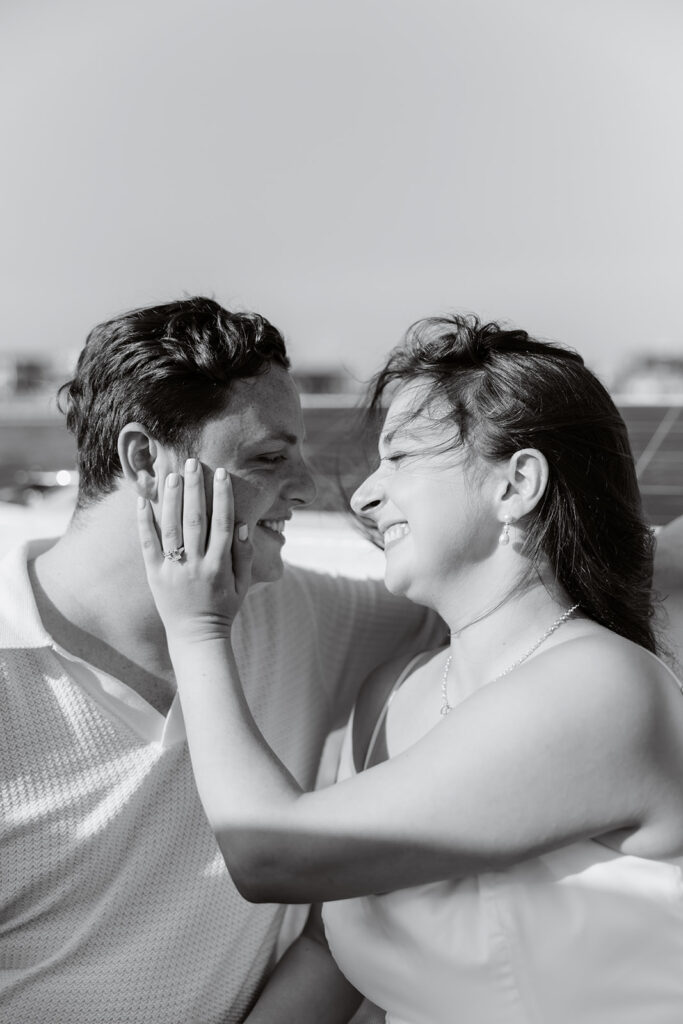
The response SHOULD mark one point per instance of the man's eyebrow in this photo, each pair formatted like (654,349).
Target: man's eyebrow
(279,435)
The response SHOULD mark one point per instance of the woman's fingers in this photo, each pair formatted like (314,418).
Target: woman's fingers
(149,542)
(171,514)
(194,510)
(184,522)
(185,525)
(229,541)
(222,516)
(242,557)
(210,583)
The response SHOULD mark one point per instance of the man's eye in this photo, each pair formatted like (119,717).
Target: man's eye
(273,457)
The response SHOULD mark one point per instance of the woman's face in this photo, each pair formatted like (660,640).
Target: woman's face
(430,498)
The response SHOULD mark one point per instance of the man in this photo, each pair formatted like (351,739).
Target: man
(115,904)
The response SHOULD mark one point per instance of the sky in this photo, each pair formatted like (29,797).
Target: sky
(345,167)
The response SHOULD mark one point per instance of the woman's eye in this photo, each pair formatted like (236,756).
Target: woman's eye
(395,458)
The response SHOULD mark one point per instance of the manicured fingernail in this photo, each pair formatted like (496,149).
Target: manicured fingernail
(221,474)
(141,501)
(172,480)
(191,466)
(243,531)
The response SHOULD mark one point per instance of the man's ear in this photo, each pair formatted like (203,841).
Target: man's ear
(138,455)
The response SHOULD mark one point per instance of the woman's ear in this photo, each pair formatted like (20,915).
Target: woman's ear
(138,455)
(526,479)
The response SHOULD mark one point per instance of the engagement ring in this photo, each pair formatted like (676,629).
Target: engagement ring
(176,555)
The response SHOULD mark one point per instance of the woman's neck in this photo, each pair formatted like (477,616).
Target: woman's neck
(490,636)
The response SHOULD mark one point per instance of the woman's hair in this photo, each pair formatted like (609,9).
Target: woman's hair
(167,367)
(506,391)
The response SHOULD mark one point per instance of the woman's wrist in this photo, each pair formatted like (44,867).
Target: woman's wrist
(201,637)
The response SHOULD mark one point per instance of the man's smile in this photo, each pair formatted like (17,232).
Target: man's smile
(275,527)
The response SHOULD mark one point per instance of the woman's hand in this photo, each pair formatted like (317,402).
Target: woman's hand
(200,572)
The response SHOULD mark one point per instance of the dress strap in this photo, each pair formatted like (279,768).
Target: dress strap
(668,668)
(381,718)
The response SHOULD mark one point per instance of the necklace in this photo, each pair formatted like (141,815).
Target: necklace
(446,707)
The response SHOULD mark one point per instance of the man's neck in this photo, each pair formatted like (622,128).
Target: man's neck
(93,599)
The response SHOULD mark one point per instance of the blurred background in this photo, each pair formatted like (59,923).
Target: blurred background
(343,167)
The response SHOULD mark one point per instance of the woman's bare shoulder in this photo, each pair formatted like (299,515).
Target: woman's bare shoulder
(603,657)
(598,679)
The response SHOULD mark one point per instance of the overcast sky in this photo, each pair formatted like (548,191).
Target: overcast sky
(345,166)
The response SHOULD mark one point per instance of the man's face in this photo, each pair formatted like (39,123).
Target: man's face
(258,440)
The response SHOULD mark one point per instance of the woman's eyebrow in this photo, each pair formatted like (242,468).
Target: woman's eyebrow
(387,436)
(401,433)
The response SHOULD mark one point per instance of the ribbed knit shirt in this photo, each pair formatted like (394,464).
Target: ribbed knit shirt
(115,904)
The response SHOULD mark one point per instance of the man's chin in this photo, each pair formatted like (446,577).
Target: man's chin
(270,573)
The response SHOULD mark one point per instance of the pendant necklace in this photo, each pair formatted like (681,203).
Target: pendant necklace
(446,707)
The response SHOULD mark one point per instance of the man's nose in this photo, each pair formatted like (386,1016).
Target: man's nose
(302,487)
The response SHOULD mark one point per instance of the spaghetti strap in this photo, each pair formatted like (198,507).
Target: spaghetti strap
(403,675)
(668,668)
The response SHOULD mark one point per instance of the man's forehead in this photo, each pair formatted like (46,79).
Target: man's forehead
(259,408)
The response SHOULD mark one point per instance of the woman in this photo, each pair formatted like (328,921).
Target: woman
(505,841)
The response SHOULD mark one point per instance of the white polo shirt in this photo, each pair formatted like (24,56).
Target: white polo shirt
(115,903)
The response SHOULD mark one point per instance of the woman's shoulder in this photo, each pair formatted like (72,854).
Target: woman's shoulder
(598,656)
(622,707)
(596,679)
(594,713)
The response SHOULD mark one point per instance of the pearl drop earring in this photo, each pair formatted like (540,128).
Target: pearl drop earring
(505,533)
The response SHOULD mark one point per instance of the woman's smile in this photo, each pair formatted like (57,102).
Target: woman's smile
(395,533)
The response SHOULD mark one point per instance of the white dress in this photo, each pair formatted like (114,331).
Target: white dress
(582,935)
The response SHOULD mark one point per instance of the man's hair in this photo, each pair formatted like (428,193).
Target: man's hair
(504,391)
(167,367)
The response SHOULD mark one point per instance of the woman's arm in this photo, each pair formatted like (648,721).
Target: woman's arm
(307,987)
(562,752)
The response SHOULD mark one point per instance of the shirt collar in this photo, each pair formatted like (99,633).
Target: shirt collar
(20,622)
(21,627)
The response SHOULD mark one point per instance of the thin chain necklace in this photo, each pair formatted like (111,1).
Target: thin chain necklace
(446,707)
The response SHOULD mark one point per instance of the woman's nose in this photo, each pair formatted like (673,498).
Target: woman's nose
(366,498)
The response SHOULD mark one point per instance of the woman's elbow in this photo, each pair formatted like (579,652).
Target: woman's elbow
(260,870)
(257,885)
(251,888)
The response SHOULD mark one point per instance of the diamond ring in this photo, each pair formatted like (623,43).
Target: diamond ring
(176,555)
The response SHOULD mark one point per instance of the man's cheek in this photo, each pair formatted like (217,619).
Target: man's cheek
(249,498)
